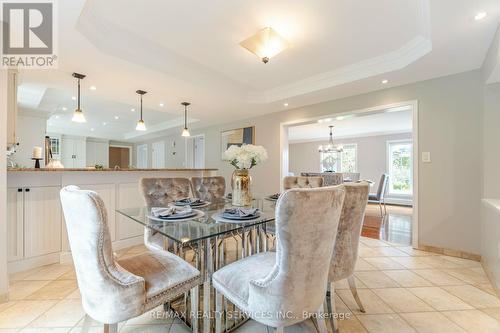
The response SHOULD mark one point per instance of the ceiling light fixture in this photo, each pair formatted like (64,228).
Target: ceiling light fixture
(161,105)
(185,131)
(141,126)
(116,117)
(93,87)
(285,104)
(480,16)
(104,123)
(78,116)
(133,110)
(330,147)
(64,108)
(92,129)
(385,81)
(326,120)
(73,98)
(265,44)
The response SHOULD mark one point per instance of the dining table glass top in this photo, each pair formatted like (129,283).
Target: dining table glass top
(190,231)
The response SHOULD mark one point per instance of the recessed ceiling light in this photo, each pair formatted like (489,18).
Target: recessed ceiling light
(385,81)
(93,87)
(285,104)
(480,16)
(64,108)
(92,129)
(116,117)
(57,116)
(161,104)
(73,98)
(104,123)
(133,110)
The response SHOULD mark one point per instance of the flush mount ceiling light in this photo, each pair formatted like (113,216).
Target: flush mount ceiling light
(185,131)
(78,116)
(330,147)
(141,126)
(385,81)
(265,44)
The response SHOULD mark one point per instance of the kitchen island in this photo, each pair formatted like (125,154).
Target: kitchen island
(35,227)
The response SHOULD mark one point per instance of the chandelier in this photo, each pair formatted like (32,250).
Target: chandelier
(330,147)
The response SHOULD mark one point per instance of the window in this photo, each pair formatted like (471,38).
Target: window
(400,167)
(345,161)
(54,146)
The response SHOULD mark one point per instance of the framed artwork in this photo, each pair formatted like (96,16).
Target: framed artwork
(237,137)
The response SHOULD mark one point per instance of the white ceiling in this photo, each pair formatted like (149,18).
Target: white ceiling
(390,121)
(188,50)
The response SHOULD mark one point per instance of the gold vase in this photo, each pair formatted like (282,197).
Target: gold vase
(240,182)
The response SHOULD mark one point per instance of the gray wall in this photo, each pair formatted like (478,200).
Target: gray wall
(449,127)
(491,142)
(372,155)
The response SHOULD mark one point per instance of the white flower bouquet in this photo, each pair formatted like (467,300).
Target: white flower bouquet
(245,156)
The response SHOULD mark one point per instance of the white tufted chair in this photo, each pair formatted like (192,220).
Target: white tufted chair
(209,188)
(293,279)
(159,192)
(301,182)
(114,291)
(345,253)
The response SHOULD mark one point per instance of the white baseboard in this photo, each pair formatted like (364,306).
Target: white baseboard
(29,263)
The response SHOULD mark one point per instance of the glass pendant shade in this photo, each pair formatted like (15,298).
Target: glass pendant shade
(185,132)
(141,126)
(78,116)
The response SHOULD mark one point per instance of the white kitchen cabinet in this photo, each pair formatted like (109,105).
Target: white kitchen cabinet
(97,153)
(73,152)
(129,196)
(12,83)
(33,222)
(15,224)
(42,221)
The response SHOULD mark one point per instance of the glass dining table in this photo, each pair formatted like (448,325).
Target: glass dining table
(206,236)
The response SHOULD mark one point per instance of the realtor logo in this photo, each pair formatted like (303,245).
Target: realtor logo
(28,34)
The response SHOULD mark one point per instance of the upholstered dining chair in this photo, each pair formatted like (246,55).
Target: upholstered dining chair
(301,182)
(379,197)
(117,290)
(209,188)
(345,253)
(293,279)
(159,192)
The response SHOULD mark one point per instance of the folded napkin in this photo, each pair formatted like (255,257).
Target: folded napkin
(275,196)
(241,212)
(169,211)
(190,201)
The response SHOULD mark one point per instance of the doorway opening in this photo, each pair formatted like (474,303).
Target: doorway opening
(379,145)
(120,156)
(195,152)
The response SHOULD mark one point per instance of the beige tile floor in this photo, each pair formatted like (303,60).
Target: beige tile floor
(403,290)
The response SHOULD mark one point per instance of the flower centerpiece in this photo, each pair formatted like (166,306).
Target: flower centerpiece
(243,158)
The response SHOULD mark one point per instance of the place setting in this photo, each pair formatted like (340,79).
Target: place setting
(192,202)
(174,213)
(237,215)
(273,197)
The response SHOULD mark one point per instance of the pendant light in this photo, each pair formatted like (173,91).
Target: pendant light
(185,131)
(331,148)
(141,126)
(78,116)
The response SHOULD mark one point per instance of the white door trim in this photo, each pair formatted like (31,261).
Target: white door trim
(414,107)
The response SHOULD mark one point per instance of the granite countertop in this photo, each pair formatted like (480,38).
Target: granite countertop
(95,170)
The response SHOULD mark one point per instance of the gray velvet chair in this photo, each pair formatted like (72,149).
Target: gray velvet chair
(209,188)
(301,182)
(345,253)
(117,290)
(293,279)
(379,197)
(159,192)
